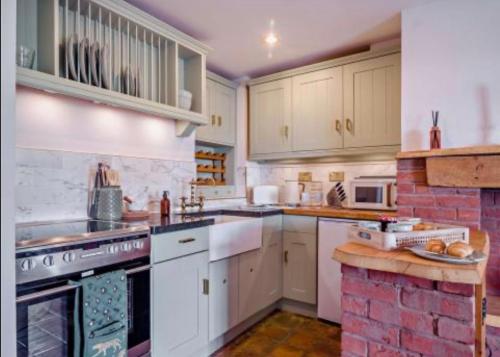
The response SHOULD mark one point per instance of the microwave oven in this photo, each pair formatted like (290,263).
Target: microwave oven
(373,192)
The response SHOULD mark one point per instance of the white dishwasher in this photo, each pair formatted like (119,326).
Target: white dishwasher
(331,233)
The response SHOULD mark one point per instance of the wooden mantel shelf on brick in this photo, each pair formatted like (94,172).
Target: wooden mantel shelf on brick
(404,262)
(475,166)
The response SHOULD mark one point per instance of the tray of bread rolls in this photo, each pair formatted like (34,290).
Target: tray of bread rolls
(402,233)
(454,253)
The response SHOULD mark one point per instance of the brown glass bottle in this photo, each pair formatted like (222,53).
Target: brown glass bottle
(165,205)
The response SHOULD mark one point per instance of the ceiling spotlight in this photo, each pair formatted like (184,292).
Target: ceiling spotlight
(271,39)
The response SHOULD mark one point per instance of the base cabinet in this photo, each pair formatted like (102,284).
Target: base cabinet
(250,286)
(271,271)
(180,306)
(223,297)
(300,259)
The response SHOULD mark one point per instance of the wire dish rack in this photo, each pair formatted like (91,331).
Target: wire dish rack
(389,240)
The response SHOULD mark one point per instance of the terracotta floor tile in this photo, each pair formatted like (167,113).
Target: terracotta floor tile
(283,334)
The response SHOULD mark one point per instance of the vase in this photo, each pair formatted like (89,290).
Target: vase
(435,138)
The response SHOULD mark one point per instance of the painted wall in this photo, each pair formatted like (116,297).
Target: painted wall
(451,63)
(55,122)
(8,70)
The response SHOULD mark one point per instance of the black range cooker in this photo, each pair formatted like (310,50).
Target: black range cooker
(51,255)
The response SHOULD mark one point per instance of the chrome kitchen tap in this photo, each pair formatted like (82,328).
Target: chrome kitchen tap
(192,200)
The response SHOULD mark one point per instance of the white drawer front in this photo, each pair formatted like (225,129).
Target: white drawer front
(176,244)
(302,224)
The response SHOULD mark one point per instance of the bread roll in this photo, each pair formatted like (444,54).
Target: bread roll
(459,249)
(435,246)
(423,227)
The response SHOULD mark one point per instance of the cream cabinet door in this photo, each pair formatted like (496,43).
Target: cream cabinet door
(317,110)
(225,109)
(372,102)
(250,286)
(180,306)
(270,117)
(271,271)
(207,132)
(300,265)
(223,297)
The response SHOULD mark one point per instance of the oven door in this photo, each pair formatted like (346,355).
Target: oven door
(45,316)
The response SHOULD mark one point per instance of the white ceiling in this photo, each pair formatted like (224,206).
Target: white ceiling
(309,30)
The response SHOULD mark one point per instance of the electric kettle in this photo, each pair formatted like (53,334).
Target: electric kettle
(293,191)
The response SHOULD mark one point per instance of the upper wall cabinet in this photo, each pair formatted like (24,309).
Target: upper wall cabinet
(317,110)
(221,101)
(372,102)
(110,52)
(347,106)
(270,117)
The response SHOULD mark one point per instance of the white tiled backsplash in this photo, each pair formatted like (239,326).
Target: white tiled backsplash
(54,184)
(277,174)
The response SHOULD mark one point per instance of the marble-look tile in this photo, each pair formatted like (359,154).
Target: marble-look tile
(54,185)
(38,158)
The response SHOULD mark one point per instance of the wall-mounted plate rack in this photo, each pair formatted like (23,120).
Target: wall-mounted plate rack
(110,52)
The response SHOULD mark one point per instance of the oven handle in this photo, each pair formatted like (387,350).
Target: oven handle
(68,287)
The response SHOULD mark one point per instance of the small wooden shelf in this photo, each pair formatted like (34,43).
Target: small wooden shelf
(209,156)
(214,170)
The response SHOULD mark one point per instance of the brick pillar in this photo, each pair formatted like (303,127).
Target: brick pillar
(386,314)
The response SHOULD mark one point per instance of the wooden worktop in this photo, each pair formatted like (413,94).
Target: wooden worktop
(465,151)
(405,262)
(330,212)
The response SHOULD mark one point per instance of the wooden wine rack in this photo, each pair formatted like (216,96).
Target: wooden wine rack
(217,168)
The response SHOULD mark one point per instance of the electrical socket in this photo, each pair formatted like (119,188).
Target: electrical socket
(335,176)
(305,176)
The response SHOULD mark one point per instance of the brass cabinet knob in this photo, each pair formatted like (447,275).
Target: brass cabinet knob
(349,125)
(220,120)
(338,126)
(213,119)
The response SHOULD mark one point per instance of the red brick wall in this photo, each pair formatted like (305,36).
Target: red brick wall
(490,222)
(386,314)
(475,208)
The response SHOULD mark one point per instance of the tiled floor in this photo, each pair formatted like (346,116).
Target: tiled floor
(284,334)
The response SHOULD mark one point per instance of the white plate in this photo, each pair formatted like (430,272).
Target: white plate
(104,64)
(474,258)
(84,60)
(71,54)
(94,62)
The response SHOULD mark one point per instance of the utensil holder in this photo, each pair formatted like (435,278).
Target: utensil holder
(435,138)
(108,203)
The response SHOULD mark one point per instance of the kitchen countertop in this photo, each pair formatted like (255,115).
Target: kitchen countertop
(178,222)
(159,224)
(405,262)
(330,212)
(464,151)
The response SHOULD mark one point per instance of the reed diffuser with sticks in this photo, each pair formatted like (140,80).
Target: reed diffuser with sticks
(435,133)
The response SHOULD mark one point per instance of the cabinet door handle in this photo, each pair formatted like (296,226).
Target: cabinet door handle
(187,240)
(205,286)
(349,125)
(286,131)
(213,119)
(338,126)
(286,256)
(220,120)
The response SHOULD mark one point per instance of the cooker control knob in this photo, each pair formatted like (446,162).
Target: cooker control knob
(113,249)
(69,257)
(48,261)
(126,246)
(138,244)
(27,264)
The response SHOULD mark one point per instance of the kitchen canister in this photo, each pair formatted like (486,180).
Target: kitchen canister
(108,203)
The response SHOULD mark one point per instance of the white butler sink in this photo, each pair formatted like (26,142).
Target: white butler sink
(232,235)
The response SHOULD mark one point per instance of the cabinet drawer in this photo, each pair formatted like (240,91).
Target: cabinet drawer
(176,244)
(302,224)
(271,224)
